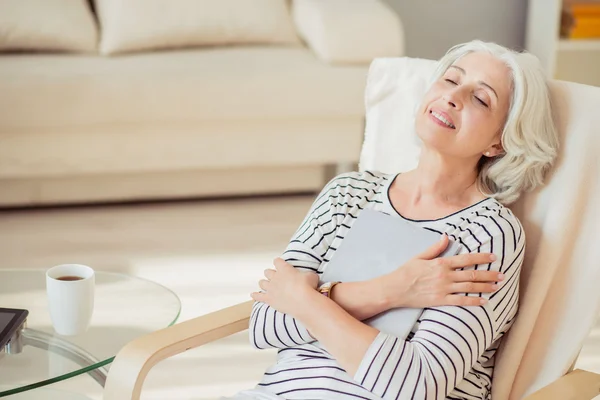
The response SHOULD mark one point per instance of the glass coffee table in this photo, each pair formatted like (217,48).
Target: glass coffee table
(125,308)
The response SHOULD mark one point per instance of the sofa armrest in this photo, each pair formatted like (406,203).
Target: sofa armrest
(576,385)
(349,32)
(132,364)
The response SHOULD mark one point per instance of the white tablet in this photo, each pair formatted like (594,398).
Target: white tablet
(378,244)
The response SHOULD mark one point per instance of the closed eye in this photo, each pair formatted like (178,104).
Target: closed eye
(483,103)
(451,81)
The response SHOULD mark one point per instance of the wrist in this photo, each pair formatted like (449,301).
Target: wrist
(392,292)
(387,294)
(307,301)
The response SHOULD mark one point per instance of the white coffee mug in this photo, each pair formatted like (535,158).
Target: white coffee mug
(70,289)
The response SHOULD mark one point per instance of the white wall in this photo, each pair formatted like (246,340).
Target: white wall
(433,26)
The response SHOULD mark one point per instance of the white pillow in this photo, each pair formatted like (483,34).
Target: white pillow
(395,89)
(135,25)
(55,25)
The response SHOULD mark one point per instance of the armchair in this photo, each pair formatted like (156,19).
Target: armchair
(559,298)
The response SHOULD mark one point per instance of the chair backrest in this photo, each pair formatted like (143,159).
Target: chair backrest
(560,280)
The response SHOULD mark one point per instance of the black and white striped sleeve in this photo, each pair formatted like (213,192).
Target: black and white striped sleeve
(449,340)
(307,248)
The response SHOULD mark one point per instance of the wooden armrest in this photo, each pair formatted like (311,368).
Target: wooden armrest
(576,385)
(132,364)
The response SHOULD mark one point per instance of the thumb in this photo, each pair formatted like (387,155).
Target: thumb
(435,250)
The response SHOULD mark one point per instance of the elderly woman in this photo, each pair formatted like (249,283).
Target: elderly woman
(487,132)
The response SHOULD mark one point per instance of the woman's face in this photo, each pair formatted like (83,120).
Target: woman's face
(463,113)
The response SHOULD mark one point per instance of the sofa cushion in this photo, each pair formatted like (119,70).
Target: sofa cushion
(39,91)
(136,25)
(349,32)
(54,25)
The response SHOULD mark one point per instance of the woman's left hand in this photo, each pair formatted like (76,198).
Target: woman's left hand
(286,287)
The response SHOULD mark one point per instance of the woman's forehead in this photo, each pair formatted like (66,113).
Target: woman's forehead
(483,65)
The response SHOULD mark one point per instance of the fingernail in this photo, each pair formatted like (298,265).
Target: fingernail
(494,287)
(493,257)
(500,276)
(483,301)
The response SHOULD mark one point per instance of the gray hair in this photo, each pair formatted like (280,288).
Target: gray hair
(529,137)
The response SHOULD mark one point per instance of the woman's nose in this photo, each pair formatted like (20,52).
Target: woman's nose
(453,100)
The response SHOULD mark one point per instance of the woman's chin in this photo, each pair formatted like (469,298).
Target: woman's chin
(434,137)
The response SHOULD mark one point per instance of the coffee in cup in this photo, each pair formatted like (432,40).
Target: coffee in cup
(69,278)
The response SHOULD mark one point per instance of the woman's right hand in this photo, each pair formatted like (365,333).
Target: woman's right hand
(429,281)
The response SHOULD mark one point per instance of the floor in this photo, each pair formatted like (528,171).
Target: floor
(211,253)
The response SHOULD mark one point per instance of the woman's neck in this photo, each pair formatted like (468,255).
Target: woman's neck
(442,180)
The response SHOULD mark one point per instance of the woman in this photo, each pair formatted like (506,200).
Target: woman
(488,135)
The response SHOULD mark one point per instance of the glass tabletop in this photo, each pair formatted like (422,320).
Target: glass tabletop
(125,308)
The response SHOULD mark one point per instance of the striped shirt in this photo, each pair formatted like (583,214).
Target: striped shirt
(451,350)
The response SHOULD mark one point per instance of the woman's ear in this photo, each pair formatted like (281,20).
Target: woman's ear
(494,150)
(499,149)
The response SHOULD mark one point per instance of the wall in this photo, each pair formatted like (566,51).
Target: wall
(433,26)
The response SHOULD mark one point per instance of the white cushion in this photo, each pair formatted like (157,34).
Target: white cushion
(53,25)
(391,101)
(135,25)
(349,32)
(559,296)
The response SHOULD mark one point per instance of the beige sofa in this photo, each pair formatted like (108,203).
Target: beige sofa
(130,115)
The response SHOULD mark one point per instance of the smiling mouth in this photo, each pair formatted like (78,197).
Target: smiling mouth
(442,119)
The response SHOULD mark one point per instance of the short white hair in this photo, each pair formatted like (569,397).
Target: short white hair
(529,136)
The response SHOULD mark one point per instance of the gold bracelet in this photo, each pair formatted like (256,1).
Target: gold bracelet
(331,289)
(327,287)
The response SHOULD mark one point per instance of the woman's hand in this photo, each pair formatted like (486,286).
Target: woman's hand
(285,287)
(427,281)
